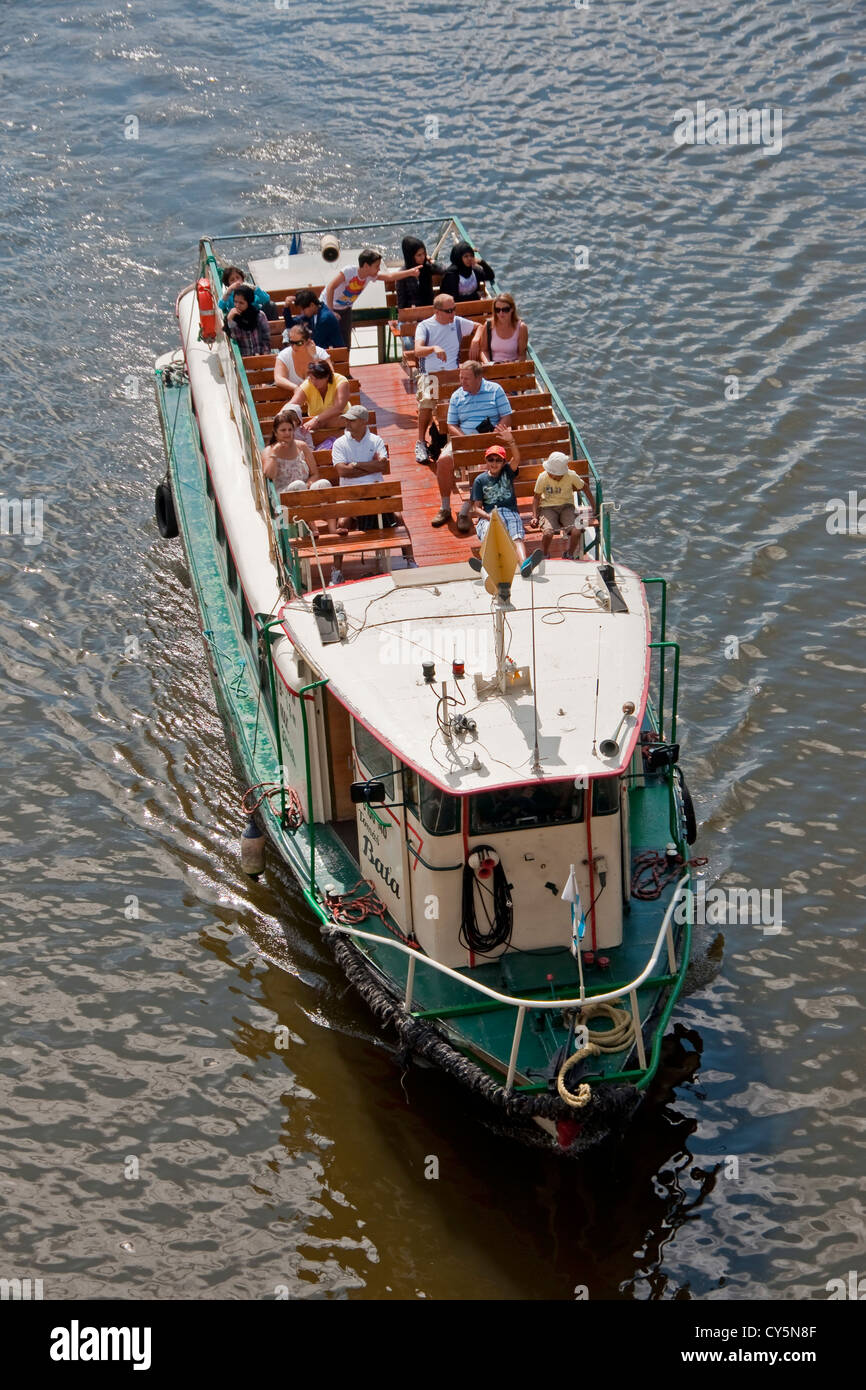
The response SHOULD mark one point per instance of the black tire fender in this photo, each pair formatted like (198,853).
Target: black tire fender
(166,518)
(691,824)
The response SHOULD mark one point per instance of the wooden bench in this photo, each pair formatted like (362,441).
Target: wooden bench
(267,410)
(365,499)
(535,442)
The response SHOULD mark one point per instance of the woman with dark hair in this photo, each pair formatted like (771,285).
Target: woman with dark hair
(323,396)
(231,278)
(502,338)
(294,360)
(415,294)
(247,324)
(286,459)
(464,279)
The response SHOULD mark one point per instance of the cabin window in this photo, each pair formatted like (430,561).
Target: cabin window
(374,758)
(231,572)
(534,806)
(246,623)
(438,811)
(605,796)
(218,526)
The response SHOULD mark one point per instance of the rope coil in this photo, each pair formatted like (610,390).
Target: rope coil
(599,1041)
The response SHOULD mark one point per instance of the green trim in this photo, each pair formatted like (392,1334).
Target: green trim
(675,648)
(311,820)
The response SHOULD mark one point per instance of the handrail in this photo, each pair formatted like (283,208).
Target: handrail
(662,636)
(520,1004)
(516,1001)
(345,227)
(675,646)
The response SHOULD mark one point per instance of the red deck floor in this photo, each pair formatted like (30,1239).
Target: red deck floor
(386,389)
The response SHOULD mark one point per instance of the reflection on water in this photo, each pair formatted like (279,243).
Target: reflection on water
(145,979)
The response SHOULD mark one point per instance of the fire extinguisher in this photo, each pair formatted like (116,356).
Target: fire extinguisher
(206,310)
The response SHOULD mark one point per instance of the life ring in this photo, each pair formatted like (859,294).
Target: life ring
(691,824)
(166,518)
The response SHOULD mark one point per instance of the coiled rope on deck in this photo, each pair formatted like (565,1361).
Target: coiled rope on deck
(614,1039)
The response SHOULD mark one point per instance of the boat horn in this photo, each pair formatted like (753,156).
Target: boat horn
(609,747)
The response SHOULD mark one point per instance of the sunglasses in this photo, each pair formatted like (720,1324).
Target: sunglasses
(452,310)
(319,370)
(297,342)
(502,308)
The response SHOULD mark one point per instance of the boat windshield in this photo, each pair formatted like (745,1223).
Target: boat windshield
(438,812)
(539,805)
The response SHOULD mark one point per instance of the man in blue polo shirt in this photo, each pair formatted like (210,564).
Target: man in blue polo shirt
(475,403)
(323,323)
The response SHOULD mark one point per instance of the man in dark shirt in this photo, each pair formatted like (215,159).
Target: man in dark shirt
(323,322)
(495,488)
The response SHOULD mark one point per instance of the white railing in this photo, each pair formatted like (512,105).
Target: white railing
(515,1001)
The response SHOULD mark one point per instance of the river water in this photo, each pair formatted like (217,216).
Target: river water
(708,340)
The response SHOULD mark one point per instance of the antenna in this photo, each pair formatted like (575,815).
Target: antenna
(597,675)
(536,761)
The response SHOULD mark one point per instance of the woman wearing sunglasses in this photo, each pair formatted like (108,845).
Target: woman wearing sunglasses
(323,396)
(502,338)
(293,362)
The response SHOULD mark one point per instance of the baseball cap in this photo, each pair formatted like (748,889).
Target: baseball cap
(495,451)
(556,465)
(356,412)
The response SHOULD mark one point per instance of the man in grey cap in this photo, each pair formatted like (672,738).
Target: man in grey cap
(358,456)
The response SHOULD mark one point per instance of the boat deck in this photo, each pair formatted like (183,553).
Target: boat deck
(386,388)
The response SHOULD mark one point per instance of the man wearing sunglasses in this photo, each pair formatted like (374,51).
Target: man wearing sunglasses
(437,349)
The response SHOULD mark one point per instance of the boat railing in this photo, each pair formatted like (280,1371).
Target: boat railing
(665,934)
(247,421)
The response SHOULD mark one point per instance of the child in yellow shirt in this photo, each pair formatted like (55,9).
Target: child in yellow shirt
(554,498)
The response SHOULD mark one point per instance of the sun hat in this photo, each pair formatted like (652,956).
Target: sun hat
(495,451)
(556,465)
(356,412)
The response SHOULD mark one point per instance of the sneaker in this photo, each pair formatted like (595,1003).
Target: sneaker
(530,562)
(474,563)
(411,562)
(421,454)
(442,517)
(336,576)
(464,525)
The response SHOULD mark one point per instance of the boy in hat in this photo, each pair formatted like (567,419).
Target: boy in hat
(553,498)
(495,488)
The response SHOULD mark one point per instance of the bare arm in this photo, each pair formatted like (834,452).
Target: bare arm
(392,276)
(522,339)
(332,289)
(282,378)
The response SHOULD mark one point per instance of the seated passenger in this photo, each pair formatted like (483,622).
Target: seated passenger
(465,277)
(556,489)
(358,456)
(495,488)
(286,459)
(476,407)
(323,396)
(504,337)
(293,361)
(231,278)
(437,348)
(247,324)
(415,294)
(352,280)
(311,311)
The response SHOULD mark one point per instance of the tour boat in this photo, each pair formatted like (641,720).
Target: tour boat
(473,775)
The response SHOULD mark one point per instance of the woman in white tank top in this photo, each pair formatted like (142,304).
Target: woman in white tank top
(504,337)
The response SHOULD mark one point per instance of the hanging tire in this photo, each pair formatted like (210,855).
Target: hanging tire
(166,519)
(689,818)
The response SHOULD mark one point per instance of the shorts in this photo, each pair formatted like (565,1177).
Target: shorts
(370,522)
(552,518)
(512,521)
(427,389)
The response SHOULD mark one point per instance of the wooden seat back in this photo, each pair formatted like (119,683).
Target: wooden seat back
(363,499)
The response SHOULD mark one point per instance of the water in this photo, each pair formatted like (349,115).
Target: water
(155,1144)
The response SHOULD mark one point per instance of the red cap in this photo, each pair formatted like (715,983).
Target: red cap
(495,451)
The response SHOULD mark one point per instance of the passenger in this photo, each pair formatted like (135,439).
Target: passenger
(554,496)
(437,348)
(358,456)
(415,294)
(465,276)
(231,278)
(476,407)
(504,337)
(247,324)
(323,396)
(287,459)
(495,488)
(352,280)
(293,361)
(311,310)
